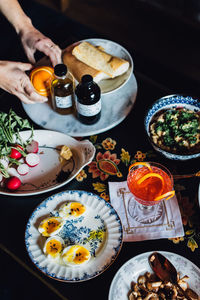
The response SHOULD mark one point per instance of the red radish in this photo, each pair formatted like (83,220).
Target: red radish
(15,153)
(33,147)
(13,183)
(23,169)
(32,159)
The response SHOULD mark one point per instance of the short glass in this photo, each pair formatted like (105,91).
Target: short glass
(150,183)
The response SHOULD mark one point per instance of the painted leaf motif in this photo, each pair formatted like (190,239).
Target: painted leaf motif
(107,166)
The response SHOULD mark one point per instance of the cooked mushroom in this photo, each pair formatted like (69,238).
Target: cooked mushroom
(151,296)
(141,280)
(154,286)
(149,287)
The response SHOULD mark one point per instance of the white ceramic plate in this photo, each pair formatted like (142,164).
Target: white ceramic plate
(112,84)
(50,174)
(99,214)
(138,265)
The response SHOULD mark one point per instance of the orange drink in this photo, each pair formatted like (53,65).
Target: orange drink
(150,183)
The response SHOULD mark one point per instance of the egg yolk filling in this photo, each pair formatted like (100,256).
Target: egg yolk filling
(53,247)
(77,255)
(50,226)
(77,209)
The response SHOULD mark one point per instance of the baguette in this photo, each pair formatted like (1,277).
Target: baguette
(78,68)
(96,58)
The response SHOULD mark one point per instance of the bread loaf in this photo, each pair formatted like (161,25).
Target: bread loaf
(100,60)
(78,68)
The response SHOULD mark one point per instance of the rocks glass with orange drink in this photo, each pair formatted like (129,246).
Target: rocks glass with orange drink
(150,183)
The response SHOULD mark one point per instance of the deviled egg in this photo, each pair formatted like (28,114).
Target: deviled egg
(71,209)
(75,255)
(53,247)
(50,226)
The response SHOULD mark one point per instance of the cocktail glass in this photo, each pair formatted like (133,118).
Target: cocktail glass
(150,183)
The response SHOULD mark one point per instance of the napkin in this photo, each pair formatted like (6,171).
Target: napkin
(168,223)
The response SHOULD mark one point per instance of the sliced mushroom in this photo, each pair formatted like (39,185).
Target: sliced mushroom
(154,286)
(151,296)
(132,296)
(141,280)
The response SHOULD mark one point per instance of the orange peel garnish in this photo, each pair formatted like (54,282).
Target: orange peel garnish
(168,195)
(140,163)
(148,175)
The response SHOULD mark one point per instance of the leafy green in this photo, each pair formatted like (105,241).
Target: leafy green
(10,126)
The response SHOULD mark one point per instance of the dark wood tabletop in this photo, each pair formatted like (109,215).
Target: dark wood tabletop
(20,279)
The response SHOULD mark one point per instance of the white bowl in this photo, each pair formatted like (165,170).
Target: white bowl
(113,84)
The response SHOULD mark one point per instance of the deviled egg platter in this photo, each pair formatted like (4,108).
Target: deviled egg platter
(73,236)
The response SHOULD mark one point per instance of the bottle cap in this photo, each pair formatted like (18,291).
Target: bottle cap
(60,70)
(86,79)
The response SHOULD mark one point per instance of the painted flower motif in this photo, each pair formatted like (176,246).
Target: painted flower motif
(105,165)
(125,157)
(81,175)
(192,244)
(177,240)
(99,187)
(105,196)
(140,156)
(109,144)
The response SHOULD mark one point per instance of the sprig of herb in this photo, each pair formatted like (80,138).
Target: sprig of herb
(10,126)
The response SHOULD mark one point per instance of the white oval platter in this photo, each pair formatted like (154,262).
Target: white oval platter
(138,265)
(97,211)
(50,174)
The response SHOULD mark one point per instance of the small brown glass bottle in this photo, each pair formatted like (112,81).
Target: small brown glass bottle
(88,100)
(62,90)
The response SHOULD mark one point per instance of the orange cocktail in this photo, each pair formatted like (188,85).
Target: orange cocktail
(150,183)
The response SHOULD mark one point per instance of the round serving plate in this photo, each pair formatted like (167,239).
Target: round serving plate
(139,265)
(110,85)
(99,216)
(118,98)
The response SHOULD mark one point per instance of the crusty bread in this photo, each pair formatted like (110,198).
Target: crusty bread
(100,60)
(78,68)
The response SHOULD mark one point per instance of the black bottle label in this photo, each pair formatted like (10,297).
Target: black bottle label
(88,110)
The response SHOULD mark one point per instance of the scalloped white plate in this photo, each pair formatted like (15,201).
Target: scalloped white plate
(49,174)
(138,265)
(99,214)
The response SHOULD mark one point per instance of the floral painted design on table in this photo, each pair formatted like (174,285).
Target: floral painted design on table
(111,163)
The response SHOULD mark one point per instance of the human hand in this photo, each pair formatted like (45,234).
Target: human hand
(33,40)
(14,80)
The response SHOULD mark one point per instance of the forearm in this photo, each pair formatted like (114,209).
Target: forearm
(12,10)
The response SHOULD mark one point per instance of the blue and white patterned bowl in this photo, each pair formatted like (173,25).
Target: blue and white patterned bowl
(168,102)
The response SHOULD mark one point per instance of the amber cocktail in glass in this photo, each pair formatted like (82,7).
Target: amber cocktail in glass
(150,183)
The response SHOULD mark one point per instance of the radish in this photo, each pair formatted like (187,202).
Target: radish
(15,154)
(23,169)
(13,183)
(33,147)
(13,172)
(32,159)
(1,177)
(4,162)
